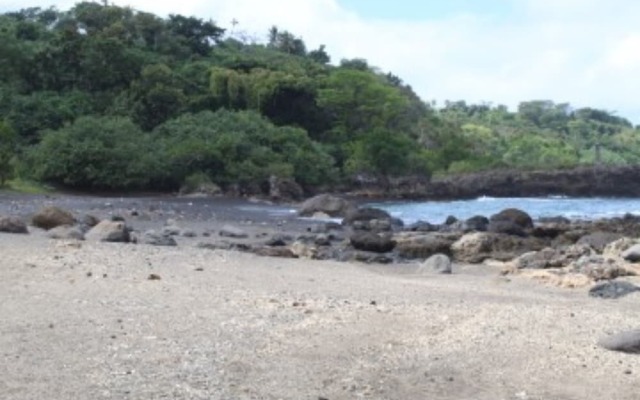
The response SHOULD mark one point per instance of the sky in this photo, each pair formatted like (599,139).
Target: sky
(584,52)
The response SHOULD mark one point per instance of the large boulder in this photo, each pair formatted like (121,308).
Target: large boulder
(510,221)
(331,205)
(477,223)
(51,217)
(599,240)
(373,242)
(109,231)
(424,245)
(12,225)
(284,189)
(479,246)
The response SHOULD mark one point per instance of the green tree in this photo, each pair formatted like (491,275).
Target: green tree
(8,142)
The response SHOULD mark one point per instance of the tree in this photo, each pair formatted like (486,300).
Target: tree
(8,141)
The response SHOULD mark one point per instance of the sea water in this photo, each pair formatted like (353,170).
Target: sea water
(573,208)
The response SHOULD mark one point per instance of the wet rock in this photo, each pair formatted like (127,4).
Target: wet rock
(507,228)
(626,342)
(153,238)
(331,205)
(233,232)
(450,220)
(51,217)
(514,216)
(439,263)
(478,223)
(366,214)
(373,242)
(66,232)
(632,254)
(549,230)
(613,289)
(13,225)
(599,240)
(424,245)
(109,231)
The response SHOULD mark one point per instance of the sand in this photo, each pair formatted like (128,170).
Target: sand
(83,321)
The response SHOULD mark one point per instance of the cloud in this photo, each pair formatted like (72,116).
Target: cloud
(586,52)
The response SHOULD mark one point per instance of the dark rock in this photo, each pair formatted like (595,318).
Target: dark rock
(109,231)
(51,217)
(506,227)
(331,205)
(322,240)
(154,277)
(514,216)
(284,189)
(425,245)
(478,223)
(450,220)
(366,257)
(439,263)
(632,254)
(613,289)
(626,342)
(188,233)
(171,230)
(278,240)
(423,226)
(558,220)
(88,221)
(233,232)
(157,239)
(373,242)
(117,218)
(549,230)
(13,225)
(599,240)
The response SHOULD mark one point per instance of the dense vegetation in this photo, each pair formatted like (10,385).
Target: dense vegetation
(107,97)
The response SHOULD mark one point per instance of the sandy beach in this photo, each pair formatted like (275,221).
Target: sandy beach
(83,320)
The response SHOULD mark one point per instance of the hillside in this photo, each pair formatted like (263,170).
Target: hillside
(105,97)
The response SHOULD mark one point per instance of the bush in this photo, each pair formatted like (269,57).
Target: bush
(96,152)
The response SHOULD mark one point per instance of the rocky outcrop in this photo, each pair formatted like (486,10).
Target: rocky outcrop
(52,217)
(331,205)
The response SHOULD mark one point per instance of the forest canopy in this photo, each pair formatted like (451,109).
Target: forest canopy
(108,97)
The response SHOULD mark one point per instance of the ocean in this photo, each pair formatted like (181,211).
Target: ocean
(573,208)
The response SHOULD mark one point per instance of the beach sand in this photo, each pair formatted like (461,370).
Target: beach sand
(84,321)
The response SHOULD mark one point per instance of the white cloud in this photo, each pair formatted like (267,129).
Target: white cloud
(586,52)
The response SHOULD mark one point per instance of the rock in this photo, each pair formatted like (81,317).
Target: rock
(626,342)
(188,233)
(331,205)
(203,189)
(171,230)
(13,225)
(506,227)
(233,232)
(284,189)
(322,240)
(479,246)
(598,267)
(599,240)
(439,263)
(320,215)
(51,217)
(478,223)
(513,216)
(278,240)
(66,232)
(373,242)
(613,289)
(109,231)
(366,214)
(422,226)
(549,230)
(424,245)
(88,221)
(450,220)
(557,220)
(304,250)
(154,277)
(552,258)
(632,254)
(157,239)
(281,252)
